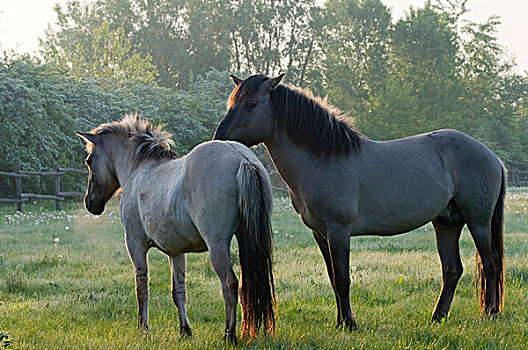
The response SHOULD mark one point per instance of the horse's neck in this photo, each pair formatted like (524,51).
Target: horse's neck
(292,162)
(122,157)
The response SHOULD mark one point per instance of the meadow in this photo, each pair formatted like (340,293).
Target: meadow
(66,282)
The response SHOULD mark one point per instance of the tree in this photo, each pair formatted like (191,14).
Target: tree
(40,108)
(88,46)
(112,59)
(421,91)
(270,37)
(356,51)
(494,96)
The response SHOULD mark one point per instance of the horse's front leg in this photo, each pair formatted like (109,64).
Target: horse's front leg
(179,294)
(336,252)
(137,250)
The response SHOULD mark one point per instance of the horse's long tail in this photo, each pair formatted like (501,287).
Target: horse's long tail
(257,291)
(497,246)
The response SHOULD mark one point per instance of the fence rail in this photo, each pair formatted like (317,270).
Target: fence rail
(517,177)
(58,195)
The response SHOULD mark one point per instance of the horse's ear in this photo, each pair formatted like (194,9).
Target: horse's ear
(86,136)
(272,83)
(236,80)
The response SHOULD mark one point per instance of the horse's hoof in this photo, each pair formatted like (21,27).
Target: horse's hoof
(438,317)
(185,332)
(349,324)
(492,312)
(143,329)
(230,338)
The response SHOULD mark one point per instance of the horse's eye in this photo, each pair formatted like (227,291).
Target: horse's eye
(251,104)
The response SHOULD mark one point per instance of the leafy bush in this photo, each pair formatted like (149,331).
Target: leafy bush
(40,108)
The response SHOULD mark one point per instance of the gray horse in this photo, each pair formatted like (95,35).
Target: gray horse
(189,204)
(344,184)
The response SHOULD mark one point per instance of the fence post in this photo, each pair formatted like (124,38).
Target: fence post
(18,186)
(57,186)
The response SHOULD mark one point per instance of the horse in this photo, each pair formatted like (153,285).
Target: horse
(190,204)
(343,184)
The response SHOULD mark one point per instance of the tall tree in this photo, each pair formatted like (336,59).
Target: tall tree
(421,92)
(494,95)
(89,46)
(270,36)
(356,51)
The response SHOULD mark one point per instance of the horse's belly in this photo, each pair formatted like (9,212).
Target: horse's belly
(386,228)
(175,243)
(398,219)
(173,237)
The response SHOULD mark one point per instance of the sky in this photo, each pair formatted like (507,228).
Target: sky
(22,22)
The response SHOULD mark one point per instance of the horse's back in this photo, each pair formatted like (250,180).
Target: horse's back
(449,152)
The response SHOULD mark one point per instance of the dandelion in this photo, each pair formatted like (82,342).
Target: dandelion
(57,239)
(67,227)
(354,268)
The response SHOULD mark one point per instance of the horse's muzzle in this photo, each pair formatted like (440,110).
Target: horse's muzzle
(93,207)
(219,134)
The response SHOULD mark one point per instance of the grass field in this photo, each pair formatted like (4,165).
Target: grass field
(66,282)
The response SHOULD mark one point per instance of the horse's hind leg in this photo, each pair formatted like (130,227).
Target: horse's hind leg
(221,261)
(447,237)
(336,253)
(178,291)
(490,264)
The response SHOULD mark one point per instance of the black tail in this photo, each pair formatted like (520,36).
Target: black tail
(497,240)
(257,292)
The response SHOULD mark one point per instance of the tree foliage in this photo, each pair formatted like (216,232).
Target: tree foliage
(169,59)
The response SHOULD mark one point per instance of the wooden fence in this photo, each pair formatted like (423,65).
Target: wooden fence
(517,177)
(58,196)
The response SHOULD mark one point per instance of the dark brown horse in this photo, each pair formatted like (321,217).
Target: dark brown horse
(344,184)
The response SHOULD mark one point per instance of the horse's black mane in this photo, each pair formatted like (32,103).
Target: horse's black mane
(150,142)
(308,121)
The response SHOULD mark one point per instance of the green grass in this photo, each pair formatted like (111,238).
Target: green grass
(79,293)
